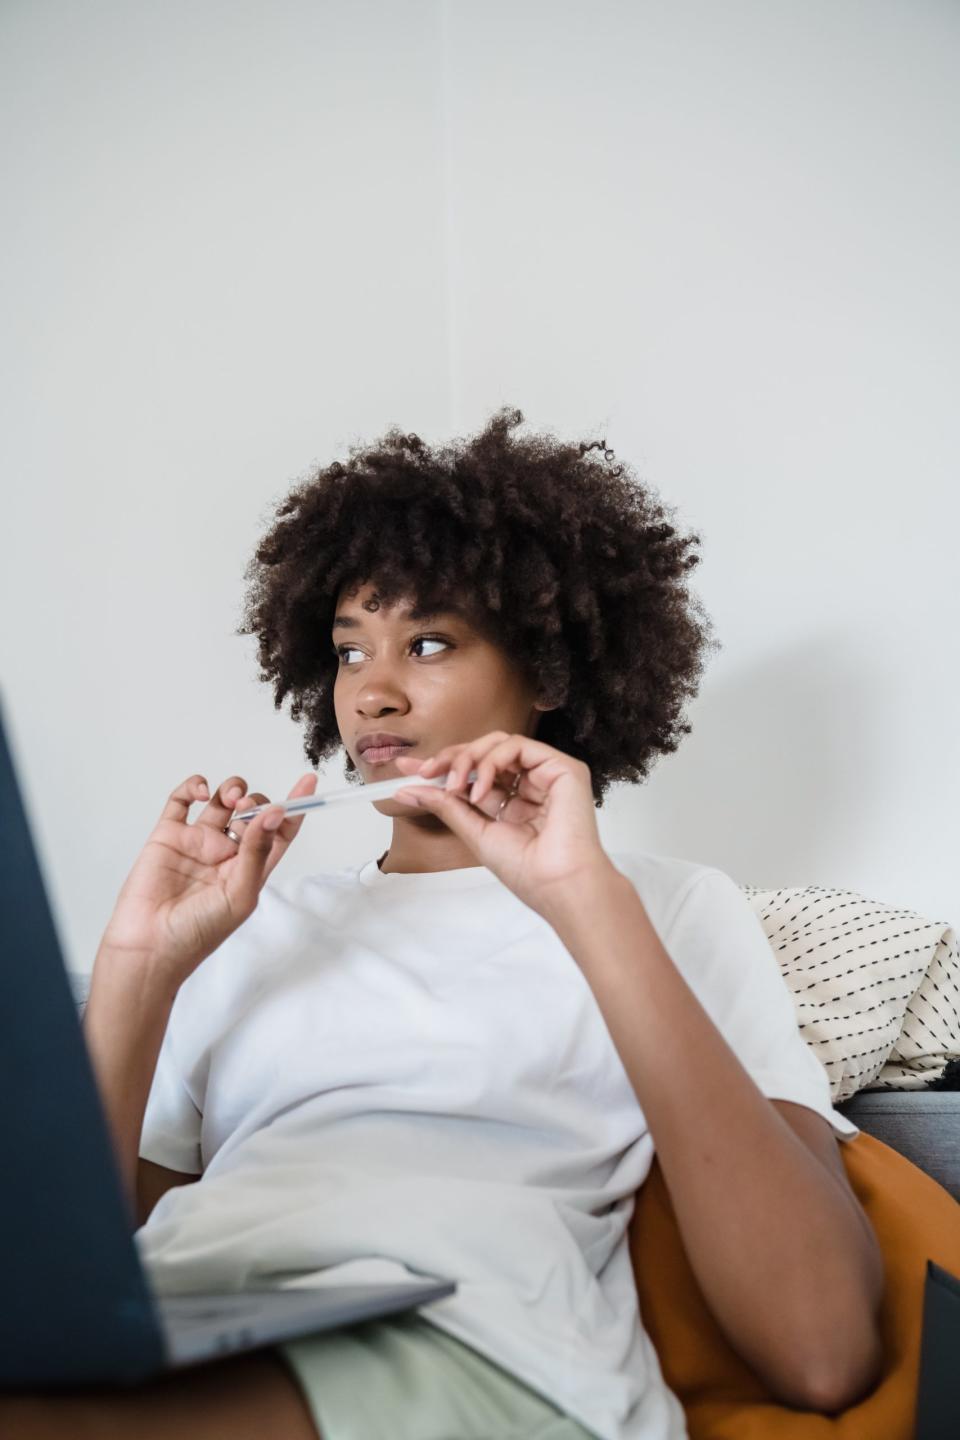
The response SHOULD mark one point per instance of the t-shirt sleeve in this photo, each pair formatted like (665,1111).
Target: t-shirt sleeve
(718,943)
(172,1121)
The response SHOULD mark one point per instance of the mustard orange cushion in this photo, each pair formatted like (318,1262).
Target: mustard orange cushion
(914,1218)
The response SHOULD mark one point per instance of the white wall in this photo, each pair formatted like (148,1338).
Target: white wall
(241,237)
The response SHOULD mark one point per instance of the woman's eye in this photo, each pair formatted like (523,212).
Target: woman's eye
(344,650)
(428,640)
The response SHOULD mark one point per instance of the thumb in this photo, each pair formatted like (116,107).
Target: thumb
(467,822)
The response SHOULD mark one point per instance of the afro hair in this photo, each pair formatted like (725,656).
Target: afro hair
(561,557)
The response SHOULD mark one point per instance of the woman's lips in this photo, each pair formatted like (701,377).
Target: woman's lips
(376,754)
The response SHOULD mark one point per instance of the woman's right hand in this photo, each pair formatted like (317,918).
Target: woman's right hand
(191,885)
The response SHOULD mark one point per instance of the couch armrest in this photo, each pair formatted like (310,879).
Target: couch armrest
(923,1125)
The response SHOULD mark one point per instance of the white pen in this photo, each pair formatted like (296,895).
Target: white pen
(382,790)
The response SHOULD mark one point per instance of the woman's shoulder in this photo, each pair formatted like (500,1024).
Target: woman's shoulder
(660,880)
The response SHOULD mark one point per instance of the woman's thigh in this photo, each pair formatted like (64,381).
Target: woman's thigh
(244,1397)
(402,1378)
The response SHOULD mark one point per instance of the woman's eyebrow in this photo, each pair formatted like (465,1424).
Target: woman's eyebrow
(347,622)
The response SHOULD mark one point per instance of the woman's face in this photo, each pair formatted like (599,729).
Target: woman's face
(431,680)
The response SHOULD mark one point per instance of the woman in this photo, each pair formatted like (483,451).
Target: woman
(456,1060)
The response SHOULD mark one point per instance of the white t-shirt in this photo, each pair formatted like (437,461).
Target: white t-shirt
(382,1075)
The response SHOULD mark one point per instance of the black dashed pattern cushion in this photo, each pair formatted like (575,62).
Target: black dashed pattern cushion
(876,987)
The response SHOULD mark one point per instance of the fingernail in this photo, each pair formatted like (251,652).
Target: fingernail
(233,793)
(202,790)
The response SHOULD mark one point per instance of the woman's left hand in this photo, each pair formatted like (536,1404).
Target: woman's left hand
(547,839)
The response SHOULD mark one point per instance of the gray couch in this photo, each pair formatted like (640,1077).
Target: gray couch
(923,1125)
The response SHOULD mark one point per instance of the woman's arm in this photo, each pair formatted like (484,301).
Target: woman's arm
(124,1023)
(783,1258)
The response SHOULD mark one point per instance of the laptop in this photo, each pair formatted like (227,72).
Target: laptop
(938,1391)
(78,1307)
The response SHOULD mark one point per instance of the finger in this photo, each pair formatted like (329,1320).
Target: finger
(455,812)
(179,802)
(221,805)
(458,760)
(290,826)
(269,845)
(474,756)
(493,782)
(502,797)
(246,802)
(408,764)
(538,765)
(517,810)
(244,879)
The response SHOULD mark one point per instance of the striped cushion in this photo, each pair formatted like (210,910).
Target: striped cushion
(876,987)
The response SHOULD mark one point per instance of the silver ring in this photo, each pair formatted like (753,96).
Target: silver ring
(508,797)
(232,833)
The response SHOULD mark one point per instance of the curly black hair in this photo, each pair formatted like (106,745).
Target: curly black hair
(560,557)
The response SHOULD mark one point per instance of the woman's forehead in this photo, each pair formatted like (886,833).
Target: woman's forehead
(409,606)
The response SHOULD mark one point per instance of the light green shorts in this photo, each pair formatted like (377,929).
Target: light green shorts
(401,1378)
